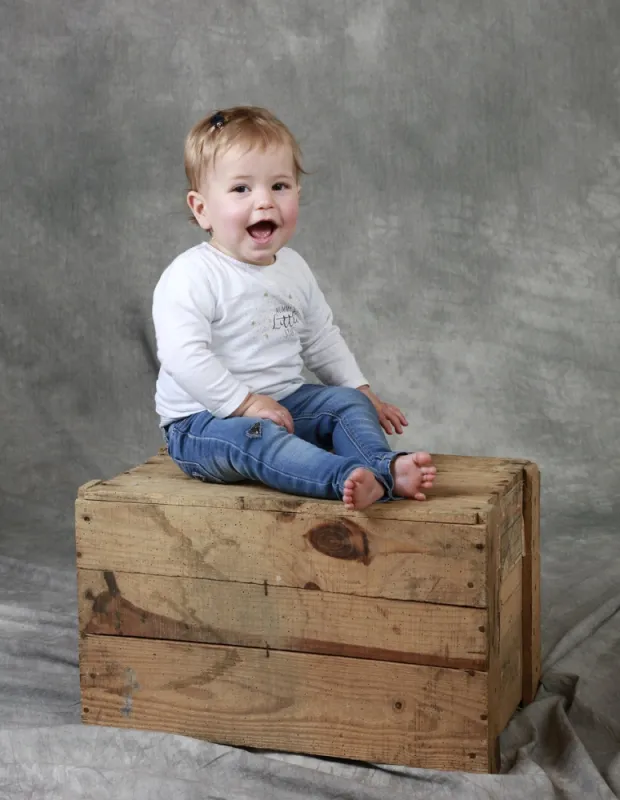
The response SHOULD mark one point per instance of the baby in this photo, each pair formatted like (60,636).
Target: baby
(237,318)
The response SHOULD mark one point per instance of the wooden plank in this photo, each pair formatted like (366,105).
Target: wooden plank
(511,640)
(429,562)
(510,506)
(510,522)
(279,618)
(511,547)
(494,635)
(458,463)
(504,623)
(531,583)
(458,497)
(325,705)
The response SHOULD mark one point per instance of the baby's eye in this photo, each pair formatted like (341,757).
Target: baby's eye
(240,189)
(278,187)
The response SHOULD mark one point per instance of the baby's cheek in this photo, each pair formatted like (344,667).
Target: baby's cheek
(239,219)
(292,212)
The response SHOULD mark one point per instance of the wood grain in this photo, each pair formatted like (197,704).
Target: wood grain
(531,583)
(510,647)
(279,618)
(325,705)
(463,490)
(494,635)
(421,561)
(511,546)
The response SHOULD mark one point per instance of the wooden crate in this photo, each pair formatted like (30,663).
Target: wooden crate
(405,634)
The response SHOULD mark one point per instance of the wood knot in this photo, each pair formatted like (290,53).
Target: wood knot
(313,586)
(340,539)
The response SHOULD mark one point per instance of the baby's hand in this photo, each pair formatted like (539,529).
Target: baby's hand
(391,418)
(259,405)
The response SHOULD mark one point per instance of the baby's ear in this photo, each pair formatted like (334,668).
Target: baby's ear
(197,204)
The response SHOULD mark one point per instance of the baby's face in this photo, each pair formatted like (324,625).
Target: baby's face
(251,202)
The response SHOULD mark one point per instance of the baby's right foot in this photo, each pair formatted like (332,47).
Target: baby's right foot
(361,489)
(412,473)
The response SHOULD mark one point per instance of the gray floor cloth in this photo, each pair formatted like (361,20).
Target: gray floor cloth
(565,745)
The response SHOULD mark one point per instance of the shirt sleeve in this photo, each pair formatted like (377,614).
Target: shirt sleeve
(183,310)
(324,351)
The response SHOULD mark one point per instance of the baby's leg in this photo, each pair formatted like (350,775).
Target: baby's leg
(241,448)
(345,420)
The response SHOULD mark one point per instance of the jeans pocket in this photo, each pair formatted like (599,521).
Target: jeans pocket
(181,425)
(195,470)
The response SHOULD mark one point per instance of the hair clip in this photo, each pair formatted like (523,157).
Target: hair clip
(217,120)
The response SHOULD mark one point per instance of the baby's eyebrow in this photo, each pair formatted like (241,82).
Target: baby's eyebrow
(283,176)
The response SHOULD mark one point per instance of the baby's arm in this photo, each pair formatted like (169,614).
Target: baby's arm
(182,312)
(326,354)
(324,350)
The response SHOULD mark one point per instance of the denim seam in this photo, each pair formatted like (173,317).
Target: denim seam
(259,461)
(199,468)
(344,427)
(389,488)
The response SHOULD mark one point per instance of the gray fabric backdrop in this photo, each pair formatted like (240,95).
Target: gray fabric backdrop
(462,216)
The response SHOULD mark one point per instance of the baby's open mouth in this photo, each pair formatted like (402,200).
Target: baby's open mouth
(262,231)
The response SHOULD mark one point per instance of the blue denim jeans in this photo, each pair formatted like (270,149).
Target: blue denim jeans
(247,448)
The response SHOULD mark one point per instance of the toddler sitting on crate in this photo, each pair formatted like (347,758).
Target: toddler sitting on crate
(236,319)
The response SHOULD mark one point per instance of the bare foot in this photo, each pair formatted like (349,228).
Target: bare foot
(361,489)
(413,472)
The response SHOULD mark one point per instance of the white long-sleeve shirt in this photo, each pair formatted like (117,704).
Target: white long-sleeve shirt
(225,328)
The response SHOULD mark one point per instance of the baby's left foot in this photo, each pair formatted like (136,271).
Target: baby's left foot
(361,489)
(412,473)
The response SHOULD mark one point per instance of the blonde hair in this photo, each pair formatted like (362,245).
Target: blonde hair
(248,126)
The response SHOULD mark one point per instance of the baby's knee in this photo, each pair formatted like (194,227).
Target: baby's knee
(343,400)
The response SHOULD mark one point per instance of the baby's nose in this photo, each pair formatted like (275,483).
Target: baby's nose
(264,199)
